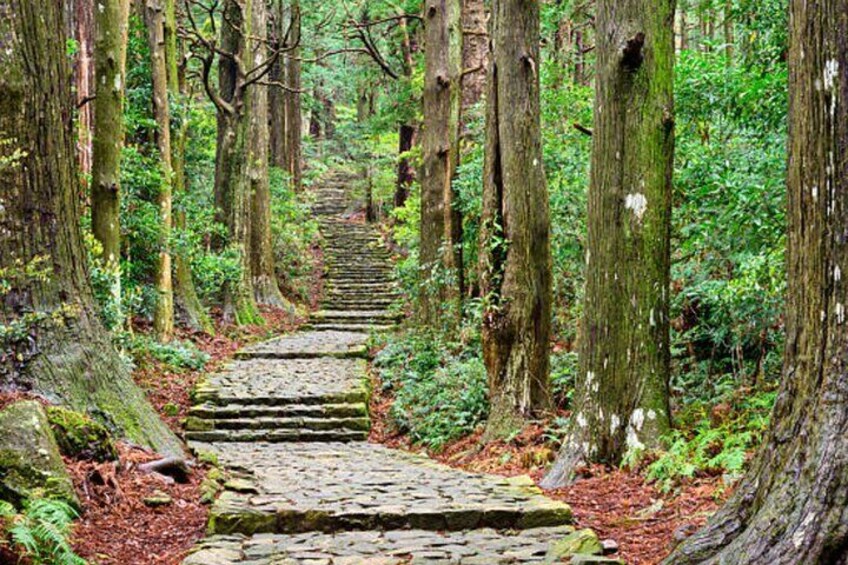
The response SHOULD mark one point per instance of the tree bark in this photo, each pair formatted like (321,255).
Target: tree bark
(163,314)
(232,185)
(276,96)
(111,23)
(791,505)
(405,173)
(475,50)
(64,354)
(191,311)
(621,392)
(80,19)
(294,121)
(442,89)
(515,251)
(265,288)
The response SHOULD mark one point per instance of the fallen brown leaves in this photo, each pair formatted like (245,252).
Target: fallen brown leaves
(116,526)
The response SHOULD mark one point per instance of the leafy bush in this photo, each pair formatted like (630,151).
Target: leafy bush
(177,354)
(440,395)
(40,532)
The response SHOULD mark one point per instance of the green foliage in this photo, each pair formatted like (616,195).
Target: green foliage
(440,388)
(176,354)
(41,531)
(79,436)
(714,439)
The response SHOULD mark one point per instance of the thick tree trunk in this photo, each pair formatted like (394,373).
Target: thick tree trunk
(163,314)
(276,96)
(791,505)
(621,393)
(64,354)
(265,288)
(191,311)
(515,251)
(442,89)
(111,22)
(232,184)
(294,121)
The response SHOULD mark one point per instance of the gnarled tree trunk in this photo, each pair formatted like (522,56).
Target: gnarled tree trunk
(515,250)
(621,393)
(66,354)
(792,505)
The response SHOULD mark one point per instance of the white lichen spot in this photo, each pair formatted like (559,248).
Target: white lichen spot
(822,316)
(653,321)
(637,203)
(615,422)
(588,256)
(581,420)
(637,419)
(535,162)
(652,415)
(101,8)
(840,313)
(601,414)
(118,82)
(831,71)
(633,442)
(590,376)
(837,273)
(606,361)
(815,193)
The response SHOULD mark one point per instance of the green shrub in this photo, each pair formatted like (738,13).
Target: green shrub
(440,390)
(40,532)
(176,354)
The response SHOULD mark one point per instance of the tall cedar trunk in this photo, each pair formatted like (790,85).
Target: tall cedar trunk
(728,30)
(265,288)
(163,314)
(80,20)
(187,302)
(475,49)
(276,96)
(294,121)
(621,393)
(232,185)
(442,74)
(791,506)
(515,251)
(406,131)
(111,22)
(67,355)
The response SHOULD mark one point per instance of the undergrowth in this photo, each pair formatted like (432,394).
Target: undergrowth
(40,531)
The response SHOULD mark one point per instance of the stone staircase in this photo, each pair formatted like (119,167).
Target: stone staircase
(287,420)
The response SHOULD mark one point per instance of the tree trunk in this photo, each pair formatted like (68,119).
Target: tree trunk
(475,50)
(442,89)
(276,96)
(61,349)
(111,22)
(232,184)
(405,173)
(621,393)
(80,19)
(191,311)
(265,288)
(791,505)
(163,314)
(294,121)
(728,31)
(515,251)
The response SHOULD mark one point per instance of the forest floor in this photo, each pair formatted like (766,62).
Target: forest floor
(617,504)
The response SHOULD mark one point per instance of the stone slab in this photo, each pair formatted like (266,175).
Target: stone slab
(355,486)
(309,344)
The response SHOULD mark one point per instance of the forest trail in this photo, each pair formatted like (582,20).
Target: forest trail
(288,421)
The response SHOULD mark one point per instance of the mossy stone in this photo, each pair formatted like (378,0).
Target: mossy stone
(30,463)
(81,437)
(580,542)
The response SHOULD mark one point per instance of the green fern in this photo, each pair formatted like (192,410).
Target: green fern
(41,531)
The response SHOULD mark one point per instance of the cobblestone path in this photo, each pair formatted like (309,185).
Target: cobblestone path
(288,420)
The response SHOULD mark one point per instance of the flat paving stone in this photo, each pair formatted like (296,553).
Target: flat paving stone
(482,547)
(309,344)
(290,381)
(356,486)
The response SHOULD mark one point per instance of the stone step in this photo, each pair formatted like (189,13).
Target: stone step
(331,487)
(365,328)
(276,436)
(216,412)
(194,424)
(353,304)
(484,546)
(316,399)
(309,345)
(354,316)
